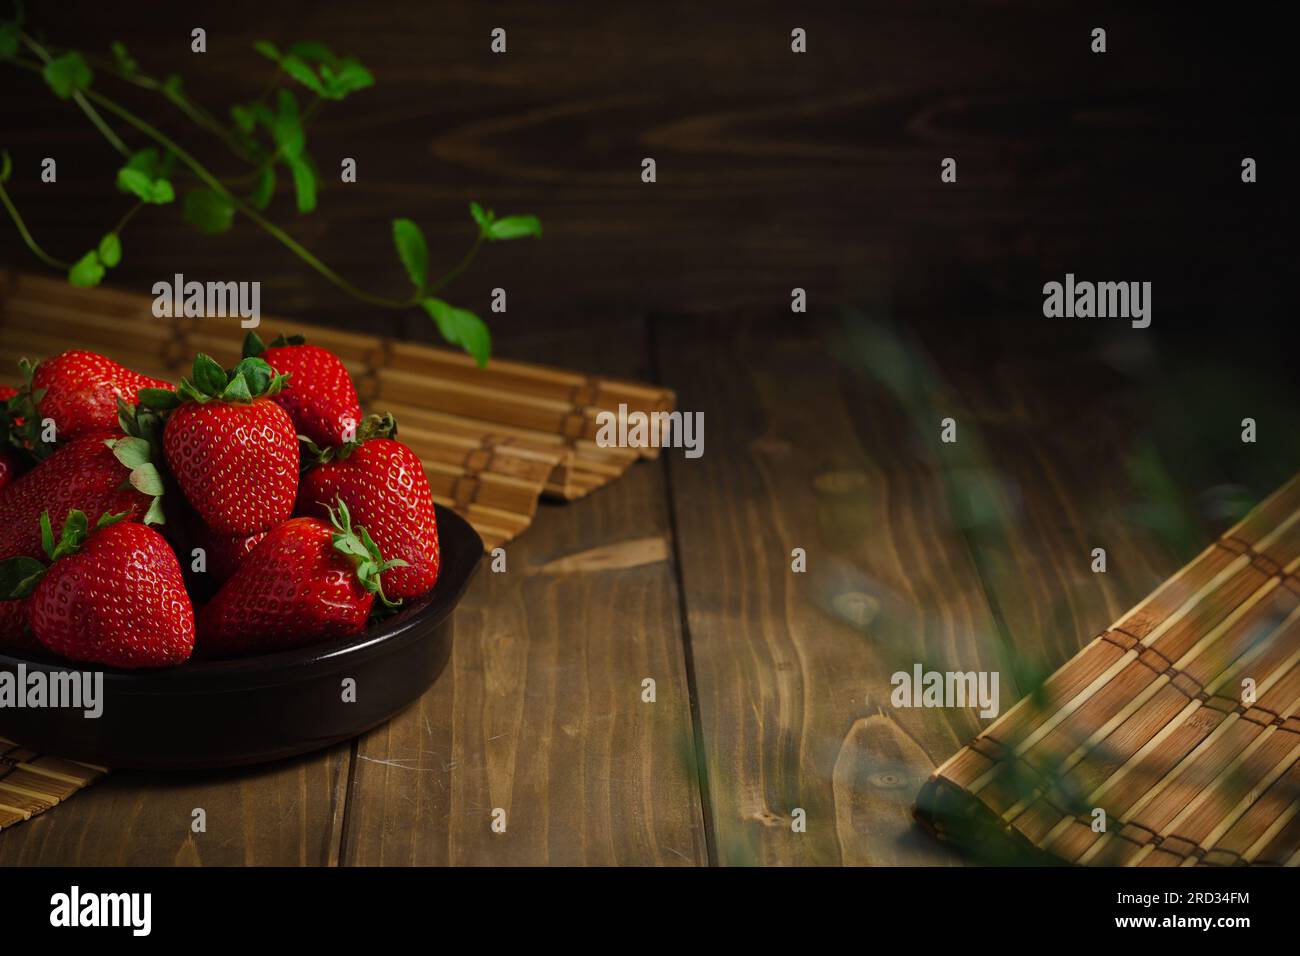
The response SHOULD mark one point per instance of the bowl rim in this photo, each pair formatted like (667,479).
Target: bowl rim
(459,562)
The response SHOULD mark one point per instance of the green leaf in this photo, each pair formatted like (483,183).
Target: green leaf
(412,250)
(146,479)
(108,519)
(313,52)
(159,399)
(304,182)
(301,72)
(481,216)
(6,166)
(257,373)
(47,533)
(19,577)
(265,188)
(110,250)
(209,211)
(267,49)
(345,77)
(9,33)
(208,375)
(140,183)
(513,227)
(67,74)
(253,345)
(131,452)
(123,59)
(173,84)
(75,528)
(87,272)
(286,127)
(237,390)
(461,327)
(245,119)
(155,513)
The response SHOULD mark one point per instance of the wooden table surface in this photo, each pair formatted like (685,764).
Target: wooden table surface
(772,687)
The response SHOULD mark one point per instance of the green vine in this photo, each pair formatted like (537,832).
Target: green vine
(268,135)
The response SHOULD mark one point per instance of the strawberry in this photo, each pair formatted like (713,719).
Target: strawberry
(95,474)
(224,554)
(307,581)
(383,484)
(233,451)
(111,595)
(12,459)
(79,391)
(14,632)
(320,399)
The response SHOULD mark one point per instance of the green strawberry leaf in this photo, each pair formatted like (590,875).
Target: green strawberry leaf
(256,373)
(107,519)
(208,375)
(47,534)
(237,390)
(158,399)
(265,188)
(461,327)
(513,227)
(412,250)
(6,166)
(123,59)
(19,577)
(304,181)
(131,452)
(155,513)
(253,345)
(75,529)
(151,189)
(267,49)
(146,479)
(67,74)
(87,272)
(110,250)
(482,217)
(209,211)
(367,562)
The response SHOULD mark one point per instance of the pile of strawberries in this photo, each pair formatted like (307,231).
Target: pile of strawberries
(242,511)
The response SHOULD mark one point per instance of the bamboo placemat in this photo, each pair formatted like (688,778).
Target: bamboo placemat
(1151,724)
(31,784)
(492,440)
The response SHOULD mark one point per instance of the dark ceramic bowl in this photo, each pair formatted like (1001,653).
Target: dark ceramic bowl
(225,713)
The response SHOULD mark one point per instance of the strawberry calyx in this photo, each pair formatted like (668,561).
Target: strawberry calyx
(356,543)
(372,426)
(248,381)
(22,419)
(19,576)
(254,347)
(140,452)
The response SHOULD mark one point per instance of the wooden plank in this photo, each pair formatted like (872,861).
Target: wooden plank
(283,814)
(793,670)
(540,712)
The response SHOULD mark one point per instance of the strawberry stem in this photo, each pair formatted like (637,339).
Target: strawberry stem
(367,561)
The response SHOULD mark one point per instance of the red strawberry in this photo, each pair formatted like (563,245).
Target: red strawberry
(320,397)
(234,452)
(383,484)
(112,595)
(84,474)
(79,392)
(224,554)
(307,581)
(14,632)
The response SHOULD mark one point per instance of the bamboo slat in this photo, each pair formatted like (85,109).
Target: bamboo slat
(31,784)
(1152,723)
(492,440)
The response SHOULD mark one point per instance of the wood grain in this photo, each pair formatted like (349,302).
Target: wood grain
(283,814)
(793,670)
(540,713)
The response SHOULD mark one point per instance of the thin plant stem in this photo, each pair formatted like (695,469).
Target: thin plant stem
(28,238)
